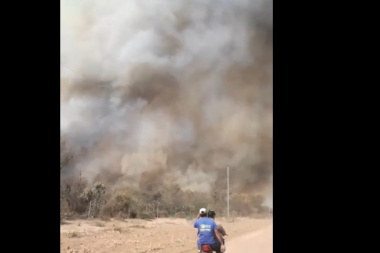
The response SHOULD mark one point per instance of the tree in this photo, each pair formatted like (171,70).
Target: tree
(94,196)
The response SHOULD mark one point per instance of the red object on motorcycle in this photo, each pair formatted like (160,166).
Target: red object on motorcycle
(206,248)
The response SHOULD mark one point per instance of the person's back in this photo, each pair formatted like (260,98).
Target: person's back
(211,214)
(206,227)
(208,232)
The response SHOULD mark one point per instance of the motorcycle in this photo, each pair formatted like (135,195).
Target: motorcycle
(206,248)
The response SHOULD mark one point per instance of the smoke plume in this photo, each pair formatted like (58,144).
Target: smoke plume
(168,91)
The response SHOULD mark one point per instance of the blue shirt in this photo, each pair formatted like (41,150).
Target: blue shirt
(206,227)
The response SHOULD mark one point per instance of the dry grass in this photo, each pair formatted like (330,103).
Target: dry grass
(100,224)
(118,229)
(74,235)
(105,218)
(137,226)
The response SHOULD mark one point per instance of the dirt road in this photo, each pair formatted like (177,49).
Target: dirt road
(260,241)
(164,235)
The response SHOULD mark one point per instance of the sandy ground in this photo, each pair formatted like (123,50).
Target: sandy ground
(160,235)
(260,241)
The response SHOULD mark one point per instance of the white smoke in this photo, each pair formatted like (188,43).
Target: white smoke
(143,81)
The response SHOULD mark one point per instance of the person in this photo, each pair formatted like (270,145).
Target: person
(208,232)
(211,214)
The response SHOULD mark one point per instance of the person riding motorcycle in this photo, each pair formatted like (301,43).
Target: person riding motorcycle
(208,232)
(211,214)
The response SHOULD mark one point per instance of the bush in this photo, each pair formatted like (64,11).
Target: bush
(78,199)
(180,215)
(146,215)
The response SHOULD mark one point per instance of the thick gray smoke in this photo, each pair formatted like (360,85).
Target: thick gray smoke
(168,91)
